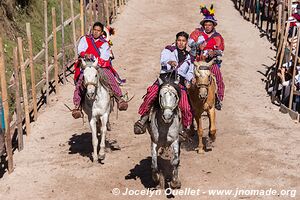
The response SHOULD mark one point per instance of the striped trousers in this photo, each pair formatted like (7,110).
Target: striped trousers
(220,84)
(109,78)
(150,97)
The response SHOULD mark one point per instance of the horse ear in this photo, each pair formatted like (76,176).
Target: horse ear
(177,80)
(95,64)
(160,82)
(83,63)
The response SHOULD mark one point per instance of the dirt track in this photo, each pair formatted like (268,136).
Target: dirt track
(256,146)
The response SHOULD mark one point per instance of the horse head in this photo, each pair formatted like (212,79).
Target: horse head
(91,79)
(169,96)
(203,78)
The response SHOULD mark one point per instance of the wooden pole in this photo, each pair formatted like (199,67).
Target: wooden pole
(114,9)
(294,71)
(24,86)
(7,136)
(63,38)
(106,11)
(82,17)
(32,73)
(55,50)
(95,11)
(90,15)
(253,11)
(46,50)
(73,28)
(278,26)
(86,25)
(18,100)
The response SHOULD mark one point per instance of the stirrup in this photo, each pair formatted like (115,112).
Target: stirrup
(139,128)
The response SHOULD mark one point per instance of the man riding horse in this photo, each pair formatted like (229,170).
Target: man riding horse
(92,47)
(207,44)
(173,58)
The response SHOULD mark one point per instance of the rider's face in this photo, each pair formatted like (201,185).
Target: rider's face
(208,27)
(97,32)
(181,42)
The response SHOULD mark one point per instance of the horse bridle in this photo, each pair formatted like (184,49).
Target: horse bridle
(172,90)
(86,84)
(199,86)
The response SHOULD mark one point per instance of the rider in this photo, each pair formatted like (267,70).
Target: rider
(206,44)
(90,47)
(173,57)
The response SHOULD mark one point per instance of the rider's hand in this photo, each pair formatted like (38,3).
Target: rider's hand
(187,84)
(202,46)
(172,63)
(211,53)
(193,81)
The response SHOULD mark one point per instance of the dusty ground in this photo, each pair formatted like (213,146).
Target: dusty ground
(257,147)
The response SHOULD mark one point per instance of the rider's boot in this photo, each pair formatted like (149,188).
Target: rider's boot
(218,103)
(139,126)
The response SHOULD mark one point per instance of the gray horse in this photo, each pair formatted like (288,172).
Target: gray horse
(164,128)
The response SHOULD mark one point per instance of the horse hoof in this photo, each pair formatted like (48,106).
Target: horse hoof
(95,158)
(108,126)
(199,150)
(175,184)
(101,157)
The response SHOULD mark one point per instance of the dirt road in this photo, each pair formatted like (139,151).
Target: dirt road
(256,148)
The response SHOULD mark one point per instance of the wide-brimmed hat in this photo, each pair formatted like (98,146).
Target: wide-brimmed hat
(209,19)
(208,14)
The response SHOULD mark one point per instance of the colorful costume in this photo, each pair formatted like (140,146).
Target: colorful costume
(185,69)
(100,49)
(213,42)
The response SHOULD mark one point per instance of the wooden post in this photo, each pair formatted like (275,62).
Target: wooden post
(278,25)
(63,38)
(82,17)
(268,19)
(253,10)
(46,50)
(95,11)
(55,51)
(73,28)
(86,25)
(33,89)
(101,11)
(18,100)
(294,71)
(90,15)
(106,11)
(114,8)
(24,85)
(7,136)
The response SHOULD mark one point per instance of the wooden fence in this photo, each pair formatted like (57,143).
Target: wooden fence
(26,103)
(275,18)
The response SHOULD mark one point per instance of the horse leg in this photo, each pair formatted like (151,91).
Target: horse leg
(212,128)
(155,173)
(104,120)
(93,125)
(175,183)
(200,147)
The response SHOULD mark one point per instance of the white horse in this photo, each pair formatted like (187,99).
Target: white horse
(164,128)
(96,105)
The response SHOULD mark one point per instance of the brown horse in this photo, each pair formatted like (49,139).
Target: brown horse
(202,96)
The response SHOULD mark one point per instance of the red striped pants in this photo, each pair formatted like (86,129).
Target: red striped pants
(152,93)
(220,84)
